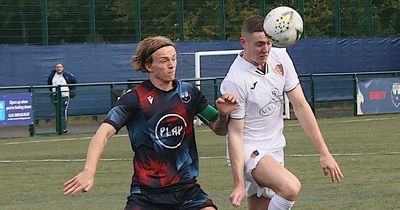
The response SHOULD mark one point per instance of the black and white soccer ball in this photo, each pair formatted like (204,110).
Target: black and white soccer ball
(284,26)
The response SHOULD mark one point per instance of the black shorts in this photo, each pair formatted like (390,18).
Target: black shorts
(186,197)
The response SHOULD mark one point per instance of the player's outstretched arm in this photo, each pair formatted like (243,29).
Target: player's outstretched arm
(307,120)
(84,181)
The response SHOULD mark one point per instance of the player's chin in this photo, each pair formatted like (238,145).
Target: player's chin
(170,76)
(262,59)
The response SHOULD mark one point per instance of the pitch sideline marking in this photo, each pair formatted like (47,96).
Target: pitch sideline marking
(349,121)
(56,140)
(209,157)
(71,139)
(200,131)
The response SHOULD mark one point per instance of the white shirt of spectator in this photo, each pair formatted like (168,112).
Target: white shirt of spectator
(58,79)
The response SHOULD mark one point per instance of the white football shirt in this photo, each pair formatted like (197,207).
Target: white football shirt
(261,97)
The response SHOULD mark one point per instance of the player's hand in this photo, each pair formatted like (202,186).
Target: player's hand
(329,166)
(226,104)
(237,195)
(80,183)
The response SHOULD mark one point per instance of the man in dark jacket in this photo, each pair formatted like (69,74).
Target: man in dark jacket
(59,77)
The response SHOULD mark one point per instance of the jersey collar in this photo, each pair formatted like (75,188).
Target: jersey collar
(150,85)
(250,67)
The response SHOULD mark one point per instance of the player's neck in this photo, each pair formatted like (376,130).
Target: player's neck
(260,67)
(263,68)
(161,84)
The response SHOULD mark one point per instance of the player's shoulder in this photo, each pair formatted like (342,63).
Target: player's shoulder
(235,80)
(279,52)
(233,77)
(183,86)
(128,96)
(237,71)
(279,55)
(128,92)
(242,72)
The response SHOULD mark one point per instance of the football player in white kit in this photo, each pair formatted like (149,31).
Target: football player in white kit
(259,77)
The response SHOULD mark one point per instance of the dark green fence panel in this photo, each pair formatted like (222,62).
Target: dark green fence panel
(124,21)
(94,99)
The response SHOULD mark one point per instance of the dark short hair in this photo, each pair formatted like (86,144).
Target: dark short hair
(146,49)
(252,24)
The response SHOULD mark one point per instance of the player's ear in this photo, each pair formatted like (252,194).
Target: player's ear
(148,67)
(243,42)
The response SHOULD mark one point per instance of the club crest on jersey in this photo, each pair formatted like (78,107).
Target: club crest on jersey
(254,154)
(395,94)
(279,69)
(186,97)
(150,99)
(170,131)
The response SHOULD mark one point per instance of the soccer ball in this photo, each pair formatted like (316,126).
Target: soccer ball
(284,26)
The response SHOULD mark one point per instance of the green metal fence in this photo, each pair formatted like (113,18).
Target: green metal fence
(336,90)
(93,99)
(121,21)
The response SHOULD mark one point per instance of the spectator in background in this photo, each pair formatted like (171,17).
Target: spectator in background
(60,77)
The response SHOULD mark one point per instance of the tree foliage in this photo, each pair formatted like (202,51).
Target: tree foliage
(116,21)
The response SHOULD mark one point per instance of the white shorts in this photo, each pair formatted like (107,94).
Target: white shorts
(252,156)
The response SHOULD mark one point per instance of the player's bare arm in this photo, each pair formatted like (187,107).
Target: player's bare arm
(84,181)
(236,155)
(310,126)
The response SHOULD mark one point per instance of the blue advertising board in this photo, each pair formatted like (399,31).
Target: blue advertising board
(15,109)
(378,96)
